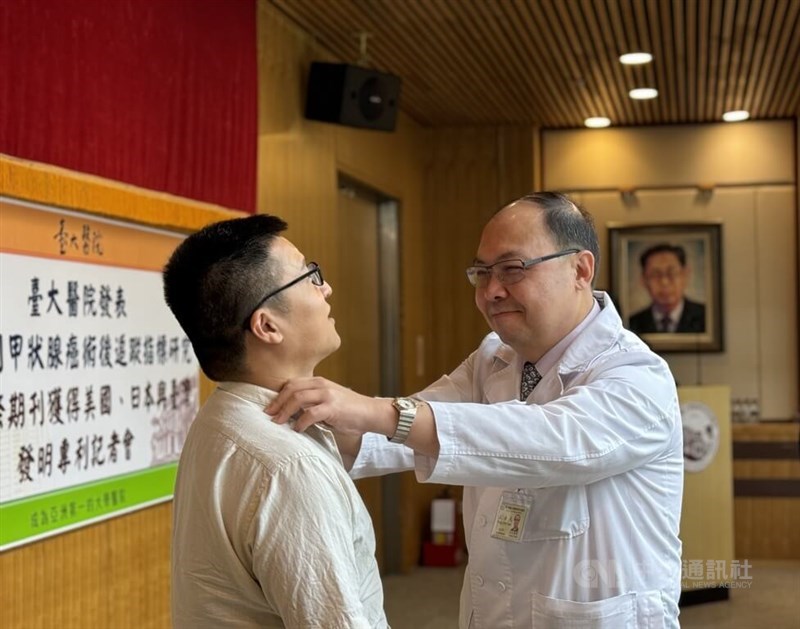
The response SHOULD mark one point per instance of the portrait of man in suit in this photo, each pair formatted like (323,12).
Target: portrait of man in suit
(665,275)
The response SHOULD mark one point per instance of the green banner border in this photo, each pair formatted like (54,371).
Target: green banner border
(46,514)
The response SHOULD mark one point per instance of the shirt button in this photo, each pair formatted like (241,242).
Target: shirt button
(482,521)
(501,586)
(479,580)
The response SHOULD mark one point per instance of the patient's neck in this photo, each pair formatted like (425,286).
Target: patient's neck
(272,375)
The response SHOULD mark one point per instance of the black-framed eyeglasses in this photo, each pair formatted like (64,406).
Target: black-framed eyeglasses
(313,271)
(510,271)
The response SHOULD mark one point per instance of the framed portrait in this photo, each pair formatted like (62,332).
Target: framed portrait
(667,282)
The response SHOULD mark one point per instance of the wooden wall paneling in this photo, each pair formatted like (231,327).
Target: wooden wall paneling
(670,156)
(111,574)
(461,193)
(448,245)
(776,301)
(765,525)
(516,151)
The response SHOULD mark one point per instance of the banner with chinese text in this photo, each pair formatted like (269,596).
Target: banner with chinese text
(98,383)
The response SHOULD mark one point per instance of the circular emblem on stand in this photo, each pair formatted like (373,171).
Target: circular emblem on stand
(700,436)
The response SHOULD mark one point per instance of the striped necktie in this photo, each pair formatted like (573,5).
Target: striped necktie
(530,378)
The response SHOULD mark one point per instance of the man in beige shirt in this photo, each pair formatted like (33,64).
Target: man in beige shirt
(269,530)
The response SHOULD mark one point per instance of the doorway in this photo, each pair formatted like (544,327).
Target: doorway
(368,321)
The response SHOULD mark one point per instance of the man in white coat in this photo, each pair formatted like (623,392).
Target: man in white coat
(561,419)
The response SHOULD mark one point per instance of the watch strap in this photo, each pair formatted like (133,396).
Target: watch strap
(407,409)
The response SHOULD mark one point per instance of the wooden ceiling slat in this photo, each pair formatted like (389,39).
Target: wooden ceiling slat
(637,76)
(565,58)
(672,89)
(510,78)
(649,23)
(703,33)
(690,65)
(443,80)
(768,13)
(554,62)
(605,54)
(712,79)
(516,76)
(616,41)
(770,57)
(399,48)
(746,58)
(588,58)
(738,50)
(464,42)
(542,35)
(725,37)
(555,113)
(679,60)
(607,51)
(787,66)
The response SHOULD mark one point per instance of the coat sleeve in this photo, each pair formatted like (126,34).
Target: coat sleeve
(378,456)
(623,414)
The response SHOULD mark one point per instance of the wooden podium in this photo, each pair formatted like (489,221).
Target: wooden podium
(707,515)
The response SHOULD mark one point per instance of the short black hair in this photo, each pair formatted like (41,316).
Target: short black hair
(569,223)
(212,281)
(663,247)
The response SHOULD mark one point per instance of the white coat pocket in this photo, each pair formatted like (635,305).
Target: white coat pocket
(635,610)
(618,612)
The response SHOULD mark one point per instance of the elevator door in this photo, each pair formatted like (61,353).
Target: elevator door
(357,300)
(356,295)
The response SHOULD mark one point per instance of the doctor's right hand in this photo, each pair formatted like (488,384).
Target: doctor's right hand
(318,400)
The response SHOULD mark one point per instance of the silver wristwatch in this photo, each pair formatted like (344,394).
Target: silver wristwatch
(407,408)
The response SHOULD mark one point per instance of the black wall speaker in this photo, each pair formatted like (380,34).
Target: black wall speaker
(352,96)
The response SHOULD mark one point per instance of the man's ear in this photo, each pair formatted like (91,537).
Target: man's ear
(584,268)
(266,327)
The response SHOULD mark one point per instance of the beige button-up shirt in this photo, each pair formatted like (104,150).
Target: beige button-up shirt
(269,530)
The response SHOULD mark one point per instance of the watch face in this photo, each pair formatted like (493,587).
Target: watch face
(404,403)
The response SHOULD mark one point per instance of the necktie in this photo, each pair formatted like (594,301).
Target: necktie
(530,378)
(663,324)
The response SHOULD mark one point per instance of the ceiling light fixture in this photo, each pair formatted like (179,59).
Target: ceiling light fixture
(736,116)
(635,58)
(643,93)
(597,122)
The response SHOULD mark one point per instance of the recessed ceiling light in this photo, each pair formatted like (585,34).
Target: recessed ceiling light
(597,123)
(635,58)
(643,93)
(735,116)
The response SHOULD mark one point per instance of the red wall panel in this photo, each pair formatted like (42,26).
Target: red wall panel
(157,93)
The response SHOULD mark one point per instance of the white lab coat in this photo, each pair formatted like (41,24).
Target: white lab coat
(596,449)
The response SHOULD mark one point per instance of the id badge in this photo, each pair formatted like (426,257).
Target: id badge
(511,515)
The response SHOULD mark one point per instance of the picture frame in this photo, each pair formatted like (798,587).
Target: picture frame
(675,303)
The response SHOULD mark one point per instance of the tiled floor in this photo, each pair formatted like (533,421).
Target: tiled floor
(428,599)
